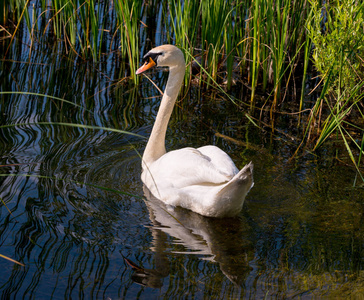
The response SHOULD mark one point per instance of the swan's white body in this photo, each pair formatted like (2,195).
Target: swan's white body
(204,180)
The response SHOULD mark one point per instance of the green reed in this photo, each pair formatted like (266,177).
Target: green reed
(78,24)
(255,47)
(324,127)
(337,33)
(12,10)
(128,13)
(260,43)
(337,122)
(92,17)
(277,32)
(184,19)
(215,15)
(229,42)
(223,33)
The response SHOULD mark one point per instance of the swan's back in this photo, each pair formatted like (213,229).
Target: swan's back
(199,181)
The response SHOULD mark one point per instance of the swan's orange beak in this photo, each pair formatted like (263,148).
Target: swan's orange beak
(148,64)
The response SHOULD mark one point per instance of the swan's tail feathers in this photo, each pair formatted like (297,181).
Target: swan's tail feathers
(239,186)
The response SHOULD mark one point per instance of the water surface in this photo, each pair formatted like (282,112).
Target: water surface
(79,218)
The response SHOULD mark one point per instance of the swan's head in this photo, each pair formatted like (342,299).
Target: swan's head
(162,56)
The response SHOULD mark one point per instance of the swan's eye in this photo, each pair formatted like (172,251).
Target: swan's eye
(153,56)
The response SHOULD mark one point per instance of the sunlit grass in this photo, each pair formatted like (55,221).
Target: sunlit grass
(12,260)
(259,44)
(337,34)
(128,14)
(222,33)
(184,19)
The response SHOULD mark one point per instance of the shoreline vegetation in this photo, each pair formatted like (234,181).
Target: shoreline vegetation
(303,59)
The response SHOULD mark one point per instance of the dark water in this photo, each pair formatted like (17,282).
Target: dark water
(79,217)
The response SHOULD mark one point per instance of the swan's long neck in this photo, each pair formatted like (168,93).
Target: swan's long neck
(156,144)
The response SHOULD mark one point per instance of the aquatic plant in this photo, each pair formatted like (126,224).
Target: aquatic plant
(128,14)
(184,19)
(225,34)
(336,31)
(259,45)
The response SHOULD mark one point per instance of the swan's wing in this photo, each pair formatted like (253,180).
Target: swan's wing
(220,160)
(189,166)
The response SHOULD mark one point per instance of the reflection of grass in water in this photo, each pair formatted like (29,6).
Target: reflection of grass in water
(320,226)
(61,124)
(69,125)
(64,123)
(336,285)
(74,181)
(58,179)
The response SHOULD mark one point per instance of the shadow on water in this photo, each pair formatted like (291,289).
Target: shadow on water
(300,233)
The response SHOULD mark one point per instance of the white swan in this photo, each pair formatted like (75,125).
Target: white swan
(204,180)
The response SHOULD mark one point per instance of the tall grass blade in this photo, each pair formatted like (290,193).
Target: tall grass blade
(76,126)
(24,11)
(128,13)
(12,260)
(6,206)
(46,96)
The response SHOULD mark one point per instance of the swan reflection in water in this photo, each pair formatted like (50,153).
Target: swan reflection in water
(223,241)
